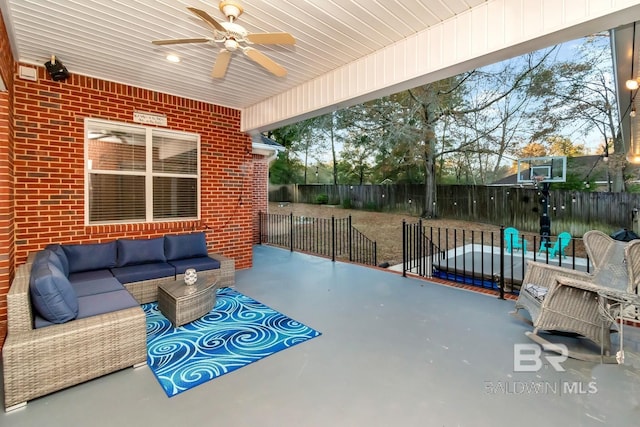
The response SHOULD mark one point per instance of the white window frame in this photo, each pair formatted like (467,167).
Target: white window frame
(148,173)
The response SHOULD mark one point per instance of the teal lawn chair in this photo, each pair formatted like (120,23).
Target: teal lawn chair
(556,247)
(513,240)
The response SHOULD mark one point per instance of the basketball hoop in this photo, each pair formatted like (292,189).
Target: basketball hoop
(537,179)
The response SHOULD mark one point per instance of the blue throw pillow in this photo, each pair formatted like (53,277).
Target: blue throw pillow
(51,293)
(90,256)
(180,246)
(64,262)
(140,251)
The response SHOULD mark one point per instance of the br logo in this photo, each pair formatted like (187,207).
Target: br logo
(529,357)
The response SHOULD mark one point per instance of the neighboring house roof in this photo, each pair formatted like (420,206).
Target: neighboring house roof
(591,167)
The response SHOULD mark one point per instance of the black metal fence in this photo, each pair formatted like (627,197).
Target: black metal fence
(479,258)
(335,238)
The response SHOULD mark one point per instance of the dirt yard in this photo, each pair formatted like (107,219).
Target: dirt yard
(384,228)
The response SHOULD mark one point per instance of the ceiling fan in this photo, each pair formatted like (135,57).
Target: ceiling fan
(234,37)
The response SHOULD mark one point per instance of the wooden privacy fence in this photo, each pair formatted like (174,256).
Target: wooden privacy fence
(520,207)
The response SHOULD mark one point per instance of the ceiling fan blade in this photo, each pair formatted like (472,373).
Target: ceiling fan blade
(208,19)
(178,41)
(271,38)
(221,64)
(265,61)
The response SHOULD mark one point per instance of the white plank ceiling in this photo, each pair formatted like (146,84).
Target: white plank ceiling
(336,42)
(111,40)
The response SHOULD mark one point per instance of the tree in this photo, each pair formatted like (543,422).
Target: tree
(532,149)
(298,139)
(580,95)
(355,160)
(562,146)
(286,170)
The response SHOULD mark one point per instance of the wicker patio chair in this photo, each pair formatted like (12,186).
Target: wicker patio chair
(564,300)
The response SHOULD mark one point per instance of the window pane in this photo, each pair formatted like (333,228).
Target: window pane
(175,197)
(175,154)
(125,159)
(116,147)
(116,198)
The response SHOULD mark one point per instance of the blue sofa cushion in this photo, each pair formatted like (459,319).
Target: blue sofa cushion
(139,272)
(64,262)
(199,263)
(140,251)
(49,256)
(90,256)
(180,246)
(95,287)
(93,305)
(85,276)
(52,296)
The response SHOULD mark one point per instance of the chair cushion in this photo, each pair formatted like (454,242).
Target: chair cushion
(90,256)
(180,246)
(95,287)
(57,249)
(52,296)
(536,291)
(85,276)
(140,272)
(199,263)
(140,251)
(93,305)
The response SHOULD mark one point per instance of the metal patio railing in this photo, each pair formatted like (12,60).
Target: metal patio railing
(335,238)
(478,258)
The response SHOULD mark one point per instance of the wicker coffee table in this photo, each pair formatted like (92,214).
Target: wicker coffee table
(183,304)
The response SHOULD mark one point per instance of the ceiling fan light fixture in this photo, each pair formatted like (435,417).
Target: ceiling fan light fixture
(231,44)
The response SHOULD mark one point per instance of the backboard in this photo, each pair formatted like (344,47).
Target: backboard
(542,169)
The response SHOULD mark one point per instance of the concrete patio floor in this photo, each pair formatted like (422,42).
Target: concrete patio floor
(393,351)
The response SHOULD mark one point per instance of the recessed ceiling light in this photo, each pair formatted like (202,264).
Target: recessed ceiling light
(173,58)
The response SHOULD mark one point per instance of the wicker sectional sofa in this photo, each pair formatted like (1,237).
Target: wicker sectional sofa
(70,323)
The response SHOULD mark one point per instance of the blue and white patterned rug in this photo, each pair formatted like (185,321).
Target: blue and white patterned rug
(238,331)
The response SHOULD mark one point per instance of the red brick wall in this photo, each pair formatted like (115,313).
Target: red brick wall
(260,192)
(7,252)
(49,164)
